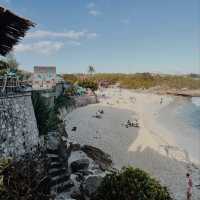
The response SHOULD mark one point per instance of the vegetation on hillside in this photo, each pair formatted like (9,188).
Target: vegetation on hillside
(42,112)
(70,78)
(147,80)
(88,83)
(63,101)
(131,184)
(46,117)
(143,80)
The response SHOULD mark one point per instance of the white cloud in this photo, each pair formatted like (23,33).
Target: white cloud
(43,47)
(74,43)
(70,35)
(94,12)
(91,35)
(92,9)
(91,5)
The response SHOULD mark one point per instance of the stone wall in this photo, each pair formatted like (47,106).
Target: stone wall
(18,127)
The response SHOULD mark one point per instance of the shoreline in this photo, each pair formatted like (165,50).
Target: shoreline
(186,136)
(150,147)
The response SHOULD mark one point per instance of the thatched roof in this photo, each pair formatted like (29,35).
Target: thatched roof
(12,28)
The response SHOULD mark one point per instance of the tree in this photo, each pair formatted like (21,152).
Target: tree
(11,61)
(91,69)
(3,67)
(88,83)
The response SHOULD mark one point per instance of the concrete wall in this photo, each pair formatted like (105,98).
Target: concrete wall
(18,127)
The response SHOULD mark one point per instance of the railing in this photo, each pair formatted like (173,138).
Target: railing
(11,85)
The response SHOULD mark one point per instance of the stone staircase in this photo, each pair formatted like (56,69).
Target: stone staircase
(58,172)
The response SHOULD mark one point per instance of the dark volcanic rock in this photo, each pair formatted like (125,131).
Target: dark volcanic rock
(77,195)
(75,146)
(101,158)
(90,185)
(81,164)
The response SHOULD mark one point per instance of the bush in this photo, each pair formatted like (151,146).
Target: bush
(70,78)
(46,117)
(24,179)
(131,184)
(71,91)
(64,101)
(88,84)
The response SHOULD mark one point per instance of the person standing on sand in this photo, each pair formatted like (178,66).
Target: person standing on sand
(189,186)
(161,100)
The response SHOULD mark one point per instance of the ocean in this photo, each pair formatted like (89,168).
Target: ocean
(182,118)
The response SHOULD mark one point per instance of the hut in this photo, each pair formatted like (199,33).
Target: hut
(12,28)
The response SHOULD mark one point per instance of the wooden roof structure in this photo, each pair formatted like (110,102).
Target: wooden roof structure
(12,29)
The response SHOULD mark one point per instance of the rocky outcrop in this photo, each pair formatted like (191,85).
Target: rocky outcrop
(73,174)
(101,158)
(81,164)
(90,186)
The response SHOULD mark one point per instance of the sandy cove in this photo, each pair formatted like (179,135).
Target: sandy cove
(150,147)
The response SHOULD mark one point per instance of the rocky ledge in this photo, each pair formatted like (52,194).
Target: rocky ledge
(75,170)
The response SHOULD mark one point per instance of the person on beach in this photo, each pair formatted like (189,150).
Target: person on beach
(189,186)
(161,100)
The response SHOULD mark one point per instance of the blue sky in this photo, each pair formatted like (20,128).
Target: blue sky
(113,35)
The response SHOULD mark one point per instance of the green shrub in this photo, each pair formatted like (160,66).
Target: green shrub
(46,117)
(24,179)
(131,184)
(71,91)
(42,112)
(70,78)
(64,101)
(88,83)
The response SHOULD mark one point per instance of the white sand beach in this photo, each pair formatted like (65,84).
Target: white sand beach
(150,147)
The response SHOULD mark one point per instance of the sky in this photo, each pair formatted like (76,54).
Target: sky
(112,35)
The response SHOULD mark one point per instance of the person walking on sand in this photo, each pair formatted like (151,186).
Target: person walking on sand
(161,100)
(189,186)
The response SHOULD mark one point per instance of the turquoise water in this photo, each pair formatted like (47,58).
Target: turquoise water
(190,113)
(182,119)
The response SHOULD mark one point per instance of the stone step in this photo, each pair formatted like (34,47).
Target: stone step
(52,155)
(52,151)
(55,165)
(59,179)
(55,159)
(62,187)
(57,172)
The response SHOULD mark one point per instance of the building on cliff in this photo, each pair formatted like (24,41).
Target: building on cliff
(44,77)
